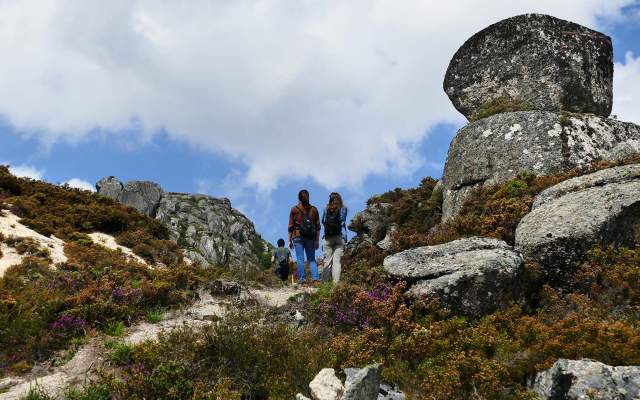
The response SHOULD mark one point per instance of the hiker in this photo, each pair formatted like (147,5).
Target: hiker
(334,219)
(281,257)
(304,235)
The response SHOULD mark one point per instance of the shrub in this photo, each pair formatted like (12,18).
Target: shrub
(154,316)
(43,310)
(26,245)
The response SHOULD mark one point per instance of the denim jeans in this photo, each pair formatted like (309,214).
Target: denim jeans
(308,246)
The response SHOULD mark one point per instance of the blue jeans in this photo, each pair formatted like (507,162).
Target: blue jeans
(308,246)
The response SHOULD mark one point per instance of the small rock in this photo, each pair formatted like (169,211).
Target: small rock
(386,243)
(300,396)
(326,386)
(587,379)
(364,385)
(223,287)
(373,221)
(474,276)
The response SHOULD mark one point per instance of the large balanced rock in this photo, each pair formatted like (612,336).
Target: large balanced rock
(474,276)
(545,62)
(572,217)
(210,230)
(587,379)
(498,148)
(144,196)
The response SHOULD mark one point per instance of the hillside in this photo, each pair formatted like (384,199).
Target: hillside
(514,276)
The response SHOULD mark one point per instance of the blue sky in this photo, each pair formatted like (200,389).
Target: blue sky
(133,93)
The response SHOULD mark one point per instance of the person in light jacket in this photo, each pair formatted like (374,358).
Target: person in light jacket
(334,219)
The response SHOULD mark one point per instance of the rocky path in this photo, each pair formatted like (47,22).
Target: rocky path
(94,355)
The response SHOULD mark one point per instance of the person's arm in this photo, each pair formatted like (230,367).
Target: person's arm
(317,216)
(291,227)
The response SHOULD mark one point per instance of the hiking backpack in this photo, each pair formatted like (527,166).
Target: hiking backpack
(332,222)
(307,225)
(283,261)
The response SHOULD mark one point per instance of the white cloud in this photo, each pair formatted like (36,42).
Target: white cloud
(80,184)
(328,90)
(626,89)
(25,171)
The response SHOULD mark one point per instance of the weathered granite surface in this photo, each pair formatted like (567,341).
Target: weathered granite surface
(548,63)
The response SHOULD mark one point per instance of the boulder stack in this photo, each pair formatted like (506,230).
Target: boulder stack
(537,90)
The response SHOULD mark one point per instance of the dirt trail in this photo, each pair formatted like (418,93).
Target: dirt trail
(93,355)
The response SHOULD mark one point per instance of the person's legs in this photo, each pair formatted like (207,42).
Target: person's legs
(299,247)
(337,255)
(327,255)
(310,249)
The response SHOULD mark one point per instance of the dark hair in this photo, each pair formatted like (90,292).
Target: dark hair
(305,191)
(335,196)
(280,242)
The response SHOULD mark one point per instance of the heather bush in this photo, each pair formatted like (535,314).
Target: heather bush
(28,246)
(43,309)
(242,356)
(66,212)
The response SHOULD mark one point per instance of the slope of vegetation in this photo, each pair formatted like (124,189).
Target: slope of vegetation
(427,350)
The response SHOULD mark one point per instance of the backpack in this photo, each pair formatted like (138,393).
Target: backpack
(307,225)
(332,222)
(282,260)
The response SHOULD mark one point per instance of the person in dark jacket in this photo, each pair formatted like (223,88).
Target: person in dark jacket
(304,234)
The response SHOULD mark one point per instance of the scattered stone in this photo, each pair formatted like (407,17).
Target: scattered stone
(572,217)
(224,287)
(498,148)
(326,386)
(587,379)
(547,63)
(474,276)
(364,384)
(300,396)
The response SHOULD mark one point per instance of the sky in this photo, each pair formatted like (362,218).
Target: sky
(254,99)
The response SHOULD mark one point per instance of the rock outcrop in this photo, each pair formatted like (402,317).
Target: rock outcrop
(547,63)
(208,228)
(498,148)
(144,196)
(570,218)
(474,276)
(587,379)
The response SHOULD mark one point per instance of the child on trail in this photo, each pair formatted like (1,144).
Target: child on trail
(281,257)
(334,220)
